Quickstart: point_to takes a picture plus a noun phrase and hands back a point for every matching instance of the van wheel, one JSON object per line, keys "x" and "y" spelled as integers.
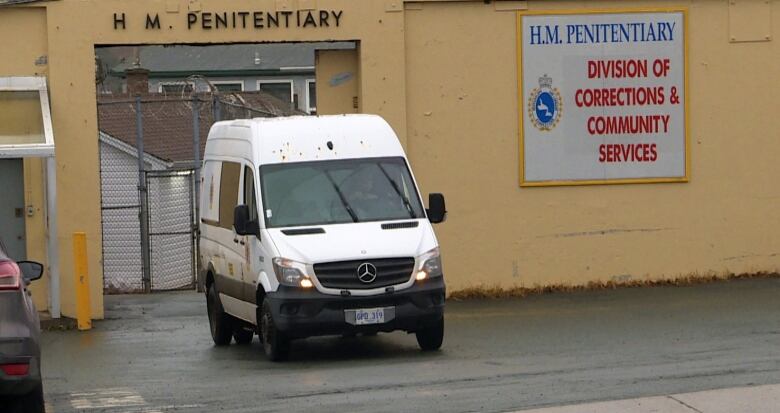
{"x": 219, "y": 321}
{"x": 275, "y": 344}
{"x": 430, "y": 338}
{"x": 243, "y": 336}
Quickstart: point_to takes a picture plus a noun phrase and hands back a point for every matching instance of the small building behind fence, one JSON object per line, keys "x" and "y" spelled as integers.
{"x": 168, "y": 125}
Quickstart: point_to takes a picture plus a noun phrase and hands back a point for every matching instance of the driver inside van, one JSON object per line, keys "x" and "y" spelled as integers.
{"x": 369, "y": 194}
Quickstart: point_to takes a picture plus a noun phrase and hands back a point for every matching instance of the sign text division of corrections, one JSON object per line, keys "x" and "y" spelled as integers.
{"x": 603, "y": 97}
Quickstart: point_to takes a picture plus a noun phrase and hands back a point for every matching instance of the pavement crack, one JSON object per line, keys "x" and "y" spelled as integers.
{"x": 609, "y": 231}
{"x": 685, "y": 404}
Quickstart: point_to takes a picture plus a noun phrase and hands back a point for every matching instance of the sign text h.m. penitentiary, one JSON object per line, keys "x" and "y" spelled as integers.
{"x": 602, "y": 97}
{"x": 233, "y": 20}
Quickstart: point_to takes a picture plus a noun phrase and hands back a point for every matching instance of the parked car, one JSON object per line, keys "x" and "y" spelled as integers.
{"x": 21, "y": 388}
{"x": 314, "y": 226}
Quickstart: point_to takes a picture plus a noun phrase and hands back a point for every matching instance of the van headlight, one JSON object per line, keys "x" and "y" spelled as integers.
{"x": 431, "y": 265}
{"x": 291, "y": 273}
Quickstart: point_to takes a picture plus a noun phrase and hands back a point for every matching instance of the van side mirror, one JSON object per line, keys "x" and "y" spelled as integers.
{"x": 31, "y": 270}
{"x": 437, "y": 211}
{"x": 241, "y": 221}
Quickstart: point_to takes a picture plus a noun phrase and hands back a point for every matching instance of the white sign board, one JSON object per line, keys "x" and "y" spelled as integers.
{"x": 603, "y": 97}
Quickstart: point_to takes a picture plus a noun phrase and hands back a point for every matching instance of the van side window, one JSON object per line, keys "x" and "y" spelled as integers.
{"x": 228, "y": 193}
{"x": 209, "y": 190}
{"x": 250, "y": 198}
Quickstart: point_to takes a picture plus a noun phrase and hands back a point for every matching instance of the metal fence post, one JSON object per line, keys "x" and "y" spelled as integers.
{"x": 196, "y": 170}
{"x": 217, "y": 108}
{"x": 143, "y": 197}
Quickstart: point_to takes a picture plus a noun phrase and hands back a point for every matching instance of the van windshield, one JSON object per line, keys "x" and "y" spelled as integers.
{"x": 340, "y": 191}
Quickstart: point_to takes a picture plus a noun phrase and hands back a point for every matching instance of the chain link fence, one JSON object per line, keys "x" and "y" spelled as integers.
{"x": 171, "y": 228}
{"x": 150, "y": 156}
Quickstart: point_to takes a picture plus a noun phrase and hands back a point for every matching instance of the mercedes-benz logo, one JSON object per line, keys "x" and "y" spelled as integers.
{"x": 366, "y": 272}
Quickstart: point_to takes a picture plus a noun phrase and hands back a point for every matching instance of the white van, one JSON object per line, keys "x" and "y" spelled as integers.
{"x": 314, "y": 226}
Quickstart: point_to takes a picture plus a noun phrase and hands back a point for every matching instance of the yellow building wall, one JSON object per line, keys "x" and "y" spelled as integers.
{"x": 377, "y": 25}
{"x": 444, "y": 75}
{"x": 337, "y": 81}
{"x": 23, "y": 58}
{"x": 463, "y": 141}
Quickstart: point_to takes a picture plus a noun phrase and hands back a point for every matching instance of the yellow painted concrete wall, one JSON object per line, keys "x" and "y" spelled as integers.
{"x": 378, "y": 25}
{"x": 444, "y": 75}
{"x": 463, "y": 140}
{"x": 19, "y": 59}
{"x": 337, "y": 81}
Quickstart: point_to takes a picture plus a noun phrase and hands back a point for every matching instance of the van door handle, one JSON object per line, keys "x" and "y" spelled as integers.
{"x": 235, "y": 240}
{"x": 242, "y": 242}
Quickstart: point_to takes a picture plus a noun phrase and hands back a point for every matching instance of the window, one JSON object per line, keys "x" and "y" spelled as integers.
{"x": 340, "y": 191}
{"x": 250, "y": 198}
{"x": 280, "y": 89}
{"x": 209, "y": 192}
{"x": 25, "y": 120}
{"x": 228, "y": 86}
{"x": 311, "y": 97}
{"x": 228, "y": 193}
{"x": 176, "y": 88}
{"x": 20, "y": 118}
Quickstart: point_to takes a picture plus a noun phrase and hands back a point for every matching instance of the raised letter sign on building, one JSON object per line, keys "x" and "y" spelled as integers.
{"x": 602, "y": 97}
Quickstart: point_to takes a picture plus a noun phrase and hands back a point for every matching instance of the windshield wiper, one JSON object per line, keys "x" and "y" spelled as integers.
{"x": 407, "y": 204}
{"x": 341, "y": 196}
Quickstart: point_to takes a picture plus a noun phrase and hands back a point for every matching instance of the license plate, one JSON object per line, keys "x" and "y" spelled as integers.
{"x": 369, "y": 316}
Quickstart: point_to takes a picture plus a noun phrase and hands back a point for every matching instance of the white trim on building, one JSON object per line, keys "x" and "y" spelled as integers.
{"x": 309, "y": 108}
{"x": 270, "y": 81}
{"x": 228, "y": 82}
{"x": 182, "y": 84}
{"x": 154, "y": 161}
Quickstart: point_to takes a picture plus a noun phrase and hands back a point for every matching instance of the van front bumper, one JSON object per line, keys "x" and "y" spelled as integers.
{"x": 305, "y": 313}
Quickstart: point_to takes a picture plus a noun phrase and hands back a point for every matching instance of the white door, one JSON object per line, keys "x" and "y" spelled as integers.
{"x": 257, "y": 254}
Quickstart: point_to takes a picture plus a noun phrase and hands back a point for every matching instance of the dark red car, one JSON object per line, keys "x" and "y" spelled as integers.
{"x": 21, "y": 388}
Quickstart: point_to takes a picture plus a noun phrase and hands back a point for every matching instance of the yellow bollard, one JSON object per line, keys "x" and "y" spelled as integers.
{"x": 82, "y": 281}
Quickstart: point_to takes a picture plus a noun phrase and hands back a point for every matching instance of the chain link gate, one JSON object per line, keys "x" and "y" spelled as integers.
{"x": 150, "y": 149}
{"x": 120, "y": 209}
{"x": 171, "y": 206}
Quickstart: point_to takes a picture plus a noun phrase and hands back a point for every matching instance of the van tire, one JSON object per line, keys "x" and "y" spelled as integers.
{"x": 219, "y": 322}
{"x": 275, "y": 344}
{"x": 243, "y": 336}
{"x": 431, "y": 338}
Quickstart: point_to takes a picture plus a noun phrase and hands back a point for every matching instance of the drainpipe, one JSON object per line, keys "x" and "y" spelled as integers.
{"x": 53, "y": 250}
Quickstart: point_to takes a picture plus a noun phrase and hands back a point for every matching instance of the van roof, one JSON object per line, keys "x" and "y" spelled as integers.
{"x": 310, "y": 138}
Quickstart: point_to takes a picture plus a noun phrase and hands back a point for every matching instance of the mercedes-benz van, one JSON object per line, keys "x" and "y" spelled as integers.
{"x": 313, "y": 225}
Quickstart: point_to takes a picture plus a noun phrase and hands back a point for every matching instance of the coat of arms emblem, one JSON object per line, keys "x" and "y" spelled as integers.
{"x": 545, "y": 105}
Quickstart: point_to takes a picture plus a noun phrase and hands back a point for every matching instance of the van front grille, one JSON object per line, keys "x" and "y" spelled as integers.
{"x": 345, "y": 275}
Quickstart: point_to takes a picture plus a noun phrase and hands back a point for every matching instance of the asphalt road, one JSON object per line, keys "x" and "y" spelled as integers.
{"x": 154, "y": 354}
